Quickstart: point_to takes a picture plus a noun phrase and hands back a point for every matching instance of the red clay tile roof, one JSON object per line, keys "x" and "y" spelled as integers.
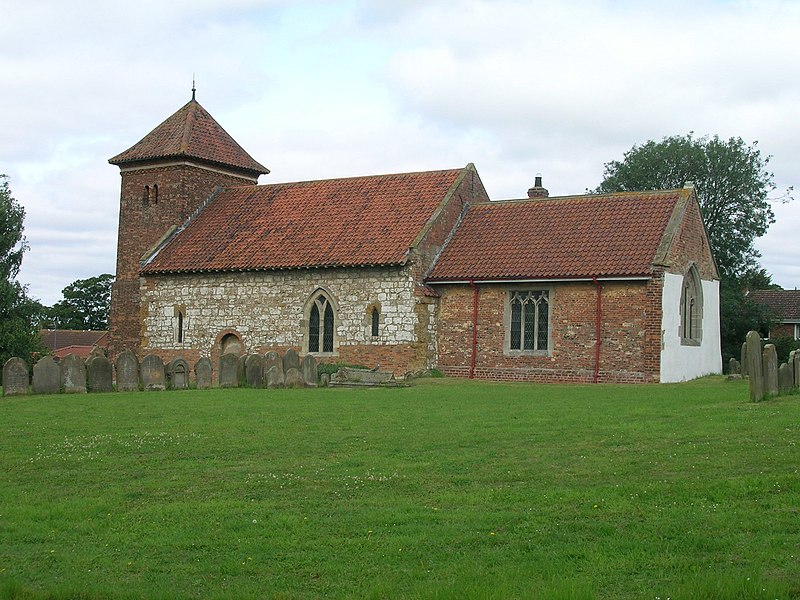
{"x": 356, "y": 221}
{"x": 191, "y": 133}
{"x": 558, "y": 238}
{"x": 783, "y": 304}
{"x": 61, "y": 338}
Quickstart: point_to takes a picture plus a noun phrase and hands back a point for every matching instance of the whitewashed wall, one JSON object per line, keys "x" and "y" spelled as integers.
{"x": 680, "y": 363}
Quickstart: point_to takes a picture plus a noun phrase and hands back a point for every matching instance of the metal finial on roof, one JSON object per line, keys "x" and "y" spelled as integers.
{"x": 194, "y": 89}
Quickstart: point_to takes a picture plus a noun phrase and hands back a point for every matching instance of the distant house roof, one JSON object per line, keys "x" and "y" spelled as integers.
{"x": 784, "y": 305}
{"x": 572, "y": 237}
{"x": 357, "y": 221}
{"x": 191, "y": 133}
{"x": 58, "y": 339}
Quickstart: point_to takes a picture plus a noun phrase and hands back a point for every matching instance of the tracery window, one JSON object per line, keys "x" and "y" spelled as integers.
{"x": 528, "y": 321}
{"x": 321, "y": 325}
{"x": 691, "y": 309}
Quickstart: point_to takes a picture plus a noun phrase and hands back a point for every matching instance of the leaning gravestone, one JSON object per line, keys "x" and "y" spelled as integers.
{"x": 785, "y": 379}
{"x": 309, "y": 369}
{"x": 152, "y": 369}
{"x": 273, "y": 377}
{"x": 754, "y": 366}
{"x": 294, "y": 378}
{"x": 99, "y": 377}
{"x": 73, "y": 374}
{"x": 15, "y": 377}
{"x": 770, "y": 358}
{"x": 127, "y": 367}
{"x": 202, "y": 373}
{"x": 46, "y": 376}
{"x": 228, "y": 371}
{"x": 733, "y": 367}
{"x": 254, "y": 370}
{"x": 290, "y": 361}
{"x": 178, "y": 371}
{"x": 743, "y": 360}
{"x": 273, "y": 359}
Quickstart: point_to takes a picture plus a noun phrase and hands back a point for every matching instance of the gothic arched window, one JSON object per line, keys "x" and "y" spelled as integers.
{"x": 691, "y": 308}
{"x": 321, "y": 324}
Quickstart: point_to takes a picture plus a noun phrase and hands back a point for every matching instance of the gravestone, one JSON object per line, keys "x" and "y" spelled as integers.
{"x": 273, "y": 359}
{"x": 152, "y": 370}
{"x": 99, "y": 375}
{"x": 178, "y": 372}
{"x": 796, "y": 361}
{"x": 273, "y": 377}
{"x": 754, "y": 366}
{"x": 770, "y": 358}
{"x": 15, "y": 377}
{"x": 73, "y": 374}
{"x": 202, "y": 373}
{"x": 290, "y": 361}
{"x": 309, "y": 369}
{"x": 127, "y": 368}
{"x": 350, "y": 376}
{"x": 785, "y": 378}
{"x": 240, "y": 371}
{"x": 324, "y": 380}
{"x": 293, "y": 378}
{"x": 254, "y": 370}
{"x": 228, "y": 371}
{"x": 733, "y": 367}
{"x": 743, "y": 360}
{"x": 46, "y": 376}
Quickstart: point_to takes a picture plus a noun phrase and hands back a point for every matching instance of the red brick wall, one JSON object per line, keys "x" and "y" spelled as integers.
{"x": 691, "y": 245}
{"x": 630, "y": 333}
{"x": 181, "y": 189}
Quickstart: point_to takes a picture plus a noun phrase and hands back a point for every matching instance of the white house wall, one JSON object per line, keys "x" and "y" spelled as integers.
{"x": 679, "y": 362}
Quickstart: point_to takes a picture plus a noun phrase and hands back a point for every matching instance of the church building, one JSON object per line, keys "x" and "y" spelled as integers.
{"x": 408, "y": 271}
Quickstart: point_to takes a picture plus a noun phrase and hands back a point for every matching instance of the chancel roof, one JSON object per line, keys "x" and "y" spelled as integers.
{"x": 358, "y": 221}
{"x": 191, "y": 133}
{"x": 574, "y": 237}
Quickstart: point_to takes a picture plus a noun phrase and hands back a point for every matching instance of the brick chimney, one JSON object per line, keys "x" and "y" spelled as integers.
{"x": 537, "y": 191}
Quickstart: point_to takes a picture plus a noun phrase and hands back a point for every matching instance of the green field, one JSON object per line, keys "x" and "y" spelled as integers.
{"x": 447, "y": 489}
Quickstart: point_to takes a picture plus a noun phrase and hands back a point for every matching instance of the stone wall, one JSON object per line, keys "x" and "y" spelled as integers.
{"x": 630, "y": 339}
{"x": 266, "y": 311}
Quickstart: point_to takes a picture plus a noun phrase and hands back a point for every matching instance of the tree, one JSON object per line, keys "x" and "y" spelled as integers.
{"x": 19, "y": 335}
{"x": 732, "y": 184}
{"x": 85, "y": 305}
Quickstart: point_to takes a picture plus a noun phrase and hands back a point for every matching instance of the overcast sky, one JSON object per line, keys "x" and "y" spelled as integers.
{"x": 328, "y": 89}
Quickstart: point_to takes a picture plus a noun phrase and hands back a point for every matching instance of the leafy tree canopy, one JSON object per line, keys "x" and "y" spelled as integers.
{"x": 732, "y": 184}
{"x": 19, "y": 334}
{"x": 85, "y": 305}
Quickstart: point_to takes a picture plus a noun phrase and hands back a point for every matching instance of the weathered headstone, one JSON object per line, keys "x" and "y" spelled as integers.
{"x": 785, "y": 378}
{"x": 324, "y": 380}
{"x": 290, "y": 361}
{"x": 254, "y": 370}
{"x": 46, "y": 376}
{"x": 152, "y": 370}
{"x": 743, "y": 360}
{"x": 202, "y": 373}
{"x": 178, "y": 372}
{"x": 228, "y": 371}
{"x": 73, "y": 374}
{"x": 796, "y": 361}
{"x": 99, "y": 375}
{"x": 273, "y": 359}
{"x": 754, "y": 366}
{"x": 273, "y": 378}
{"x": 15, "y": 377}
{"x": 309, "y": 369}
{"x": 293, "y": 378}
{"x": 733, "y": 367}
{"x": 770, "y": 358}
{"x": 240, "y": 371}
{"x": 127, "y": 368}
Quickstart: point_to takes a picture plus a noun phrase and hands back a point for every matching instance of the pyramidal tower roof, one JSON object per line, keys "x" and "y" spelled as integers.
{"x": 191, "y": 133}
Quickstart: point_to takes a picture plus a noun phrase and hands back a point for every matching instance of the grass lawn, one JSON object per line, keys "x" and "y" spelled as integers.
{"x": 448, "y": 489}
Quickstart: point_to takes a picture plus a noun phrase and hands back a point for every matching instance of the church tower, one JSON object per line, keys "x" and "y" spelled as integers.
{"x": 166, "y": 176}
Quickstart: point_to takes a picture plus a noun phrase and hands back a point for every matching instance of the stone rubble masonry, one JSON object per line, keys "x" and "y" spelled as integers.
{"x": 266, "y": 309}
{"x": 182, "y": 189}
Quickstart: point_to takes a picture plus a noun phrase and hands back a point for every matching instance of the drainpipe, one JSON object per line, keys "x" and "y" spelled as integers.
{"x": 474, "y": 327}
{"x": 597, "y": 342}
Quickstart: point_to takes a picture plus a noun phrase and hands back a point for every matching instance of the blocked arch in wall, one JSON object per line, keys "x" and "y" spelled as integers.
{"x": 230, "y": 342}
